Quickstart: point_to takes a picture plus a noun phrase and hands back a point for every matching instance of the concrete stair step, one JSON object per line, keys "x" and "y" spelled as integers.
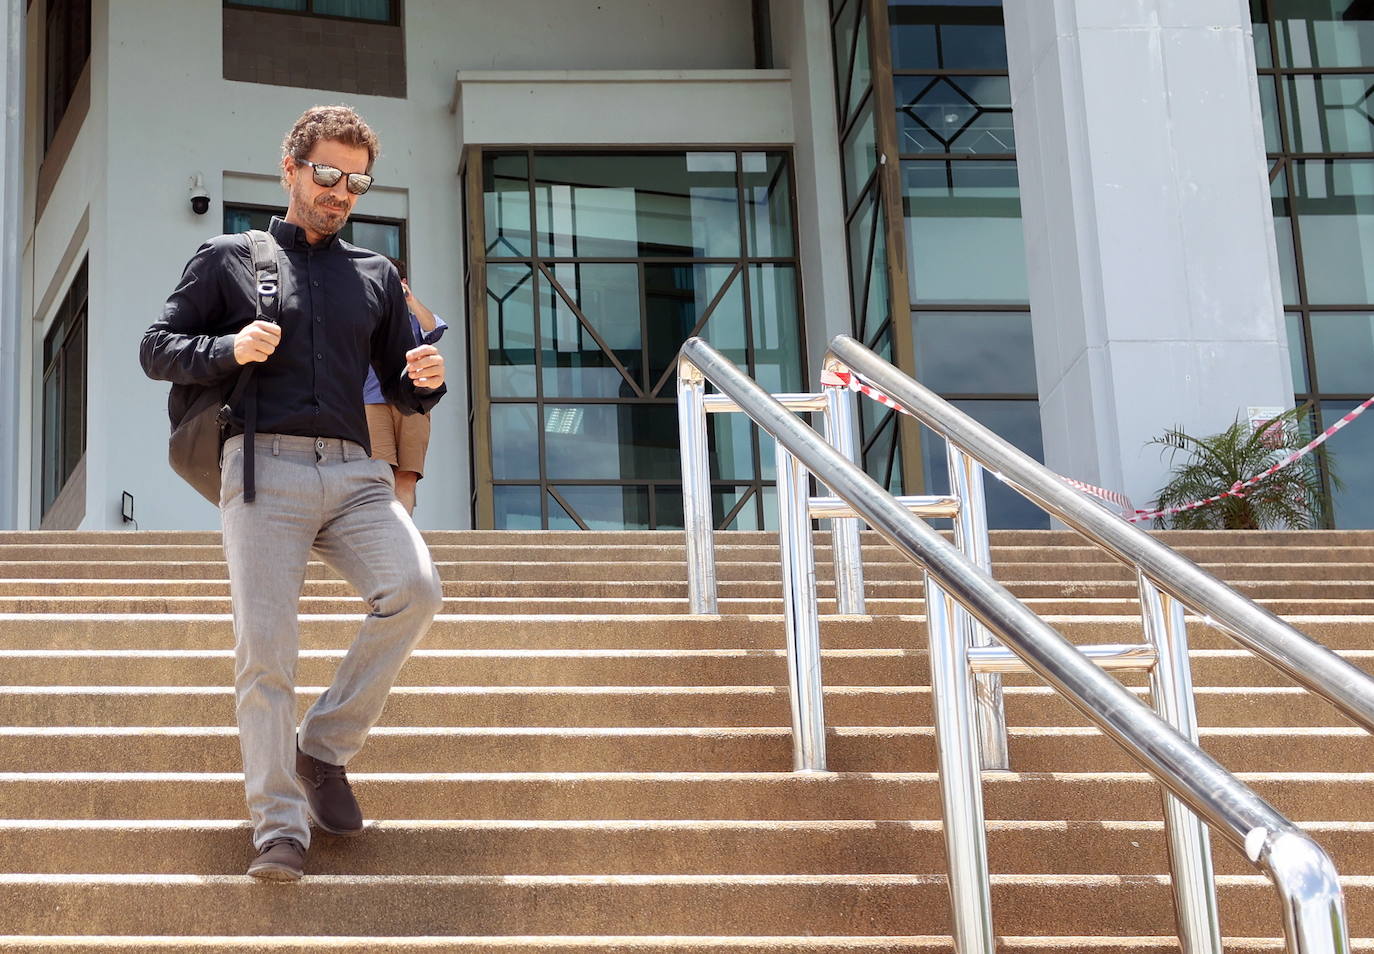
{"x": 1219, "y": 668}
{"x": 766, "y": 748}
{"x": 1084, "y": 796}
{"x": 681, "y": 904}
{"x": 463, "y": 847}
{"x": 509, "y": 631}
{"x": 630, "y": 706}
{"x": 632, "y": 944}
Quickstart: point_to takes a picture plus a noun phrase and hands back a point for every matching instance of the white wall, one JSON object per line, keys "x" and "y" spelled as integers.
{"x": 171, "y": 115}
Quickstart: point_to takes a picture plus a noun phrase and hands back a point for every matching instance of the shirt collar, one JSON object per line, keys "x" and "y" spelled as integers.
{"x": 293, "y": 236}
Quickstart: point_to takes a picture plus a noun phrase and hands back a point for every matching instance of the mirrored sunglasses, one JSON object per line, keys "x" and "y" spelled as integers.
{"x": 358, "y": 182}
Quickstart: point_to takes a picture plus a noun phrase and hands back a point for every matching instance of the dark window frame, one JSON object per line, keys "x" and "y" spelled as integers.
{"x": 67, "y": 332}
{"x": 309, "y": 11}
{"x": 753, "y": 492}
{"x": 64, "y": 61}
{"x": 402, "y": 224}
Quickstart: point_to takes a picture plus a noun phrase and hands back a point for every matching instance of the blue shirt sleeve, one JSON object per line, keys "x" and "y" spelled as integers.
{"x": 428, "y": 337}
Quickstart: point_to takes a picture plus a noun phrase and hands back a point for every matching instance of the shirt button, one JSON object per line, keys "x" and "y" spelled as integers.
{"x": 319, "y": 355}
{"x": 315, "y": 284}
{"x": 318, "y": 319}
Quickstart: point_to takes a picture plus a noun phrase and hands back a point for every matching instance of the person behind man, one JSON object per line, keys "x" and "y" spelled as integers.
{"x": 401, "y": 439}
{"x": 318, "y": 491}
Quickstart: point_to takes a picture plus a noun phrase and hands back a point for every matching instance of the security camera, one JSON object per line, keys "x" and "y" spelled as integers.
{"x": 200, "y": 199}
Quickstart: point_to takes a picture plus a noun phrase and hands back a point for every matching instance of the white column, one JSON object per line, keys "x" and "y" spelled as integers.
{"x": 11, "y": 229}
{"x": 1154, "y": 281}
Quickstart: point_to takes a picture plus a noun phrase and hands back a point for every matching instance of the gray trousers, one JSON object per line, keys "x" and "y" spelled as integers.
{"x": 327, "y": 497}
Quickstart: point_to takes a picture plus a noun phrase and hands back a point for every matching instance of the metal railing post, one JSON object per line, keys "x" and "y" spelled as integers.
{"x": 697, "y": 522}
{"x": 961, "y": 786}
{"x": 971, "y": 536}
{"x": 800, "y": 614}
{"x": 1189, "y": 842}
{"x": 848, "y": 552}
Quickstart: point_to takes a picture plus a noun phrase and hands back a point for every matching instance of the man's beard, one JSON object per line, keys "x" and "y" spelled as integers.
{"x": 322, "y": 219}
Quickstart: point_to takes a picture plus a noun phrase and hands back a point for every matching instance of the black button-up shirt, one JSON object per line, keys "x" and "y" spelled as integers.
{"x": 341, "y": 309}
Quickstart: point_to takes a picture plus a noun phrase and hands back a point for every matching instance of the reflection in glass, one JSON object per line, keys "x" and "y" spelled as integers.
{"x": 510, "y": 330}
{"x": 938, "y": 34}
{"x": 767, "y": 205}
{"x": 608, "y": 508}
{"x": 1297, "y": 351}
{"x": 954, "y": 114}
{"x": 1325, "y": 33}
{"x": 1015, "y": 421}
{"x": 1329, "y": 113}
{"x": 1264, "y": 54}
{"x": 628, "y": 206}
{"x": 726, "y": 499}
{"x": 1283, "y": 236}
{"x": 608, "y": 297}
{"x": 506, "y": 201}
{"x": 730, "y": 447}
{"x": 970, "y": 353}
{"x": 860, "y": 153}
{"x": 677, "y": 297}
{"x": 861, "y": 78}
{"x": 1344, "y": 352}
{"x": 611, "y": 442}
{"x": 964, "y": 241}
{"x": 1335, "y": 211}
{"x": 516, "y": 508}
{"x": 1352, "y": 457}
{"x": 559, "y": 518}
{"x": 514, "y": 442}
{"x": 1269, "y": 112}
{"x": 842, "y": 38}
{"x": 777, "y": 343}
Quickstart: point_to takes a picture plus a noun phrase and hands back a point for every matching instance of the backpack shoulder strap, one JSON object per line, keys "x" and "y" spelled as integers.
{"x": 264, "y": 248}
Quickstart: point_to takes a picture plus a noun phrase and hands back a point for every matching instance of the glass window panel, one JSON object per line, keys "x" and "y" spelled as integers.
{"x": 299, "y": 5}
{"x": 947, "y": 34}
{"x": 768, "y": 498}
{"x": 676, "y": 297}
{"x": 627, "y": 206}
{"x": 1335, "y": 211}
{"x": 878, "y": 460}
{"x": 668, "y": 509}
{"x": 1351, "y": 454}
{"x": 767, "y": 205}
{"x": 384, "y": 237}
{"x": 860, "y": 152}
{"x": 514, "y": 442}
{"x": 52, "y": 438}
{"x": 574, "y": 363}
{"x": 971, "y": 353}
{"x": 1325, "y": 33}
{"x": 1283, "y": 236}
{"x": 73, "y": 400}
{"x": 730, "y": 446}
{"x": 1264, "y": 54}
{"x": 506, "y": 205}
{"x": 1269, "y": 111}
{"x": 510, "y": 330}
{"x": 724, "y": 499}
{"x": 964, "y": 242}
{"x": 843, "y": 40}
{"x": 609, "y": 508}
{"x": 860, "y": 250}
{"x": 955, "y": 114}
{"x": 1344, "y": 352}
{"x": 1297, "y": 351}
{"x": 1017, "y": 422}
{"x": 379, "y": 10}
{"x": 1330, "y": 113}
{"x": 559, "y": 518}
{"x": 777, "y": 339}
{"x": 861, "y": 78}
{"x": 611, "y": 442}
{"x": 516, "y": 508}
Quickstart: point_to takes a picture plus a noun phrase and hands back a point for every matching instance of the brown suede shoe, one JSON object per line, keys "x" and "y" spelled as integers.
{"x": 281, "y": 859}
{"x": 327, "y": 792}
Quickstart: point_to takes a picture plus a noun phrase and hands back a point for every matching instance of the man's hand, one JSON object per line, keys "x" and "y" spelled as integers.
{"x": 256, "y": 341}
{"x": 425, "y": 365}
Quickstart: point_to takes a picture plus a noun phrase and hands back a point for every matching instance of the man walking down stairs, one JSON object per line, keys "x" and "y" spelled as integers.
{"x": 571, "y": 762}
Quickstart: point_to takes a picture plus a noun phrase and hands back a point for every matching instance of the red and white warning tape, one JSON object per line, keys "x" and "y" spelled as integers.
{"x": 848, "y": 379}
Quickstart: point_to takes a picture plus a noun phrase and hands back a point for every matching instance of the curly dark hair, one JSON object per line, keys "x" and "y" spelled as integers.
{"x": 337, "y": 123}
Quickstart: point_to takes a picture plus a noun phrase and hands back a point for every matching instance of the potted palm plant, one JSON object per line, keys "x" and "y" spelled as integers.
{"x": 1290, "y": 498}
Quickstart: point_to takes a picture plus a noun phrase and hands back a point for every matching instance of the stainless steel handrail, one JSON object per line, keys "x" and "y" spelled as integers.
{"x": 1307, "y": 662}
{"x": 1313, "y": 906}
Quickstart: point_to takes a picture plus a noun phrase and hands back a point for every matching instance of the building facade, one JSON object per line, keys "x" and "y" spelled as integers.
{"x": 1084, "y": 223}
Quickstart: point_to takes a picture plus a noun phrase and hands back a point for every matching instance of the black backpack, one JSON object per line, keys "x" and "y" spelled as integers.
{"x": 198, "y": 434}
